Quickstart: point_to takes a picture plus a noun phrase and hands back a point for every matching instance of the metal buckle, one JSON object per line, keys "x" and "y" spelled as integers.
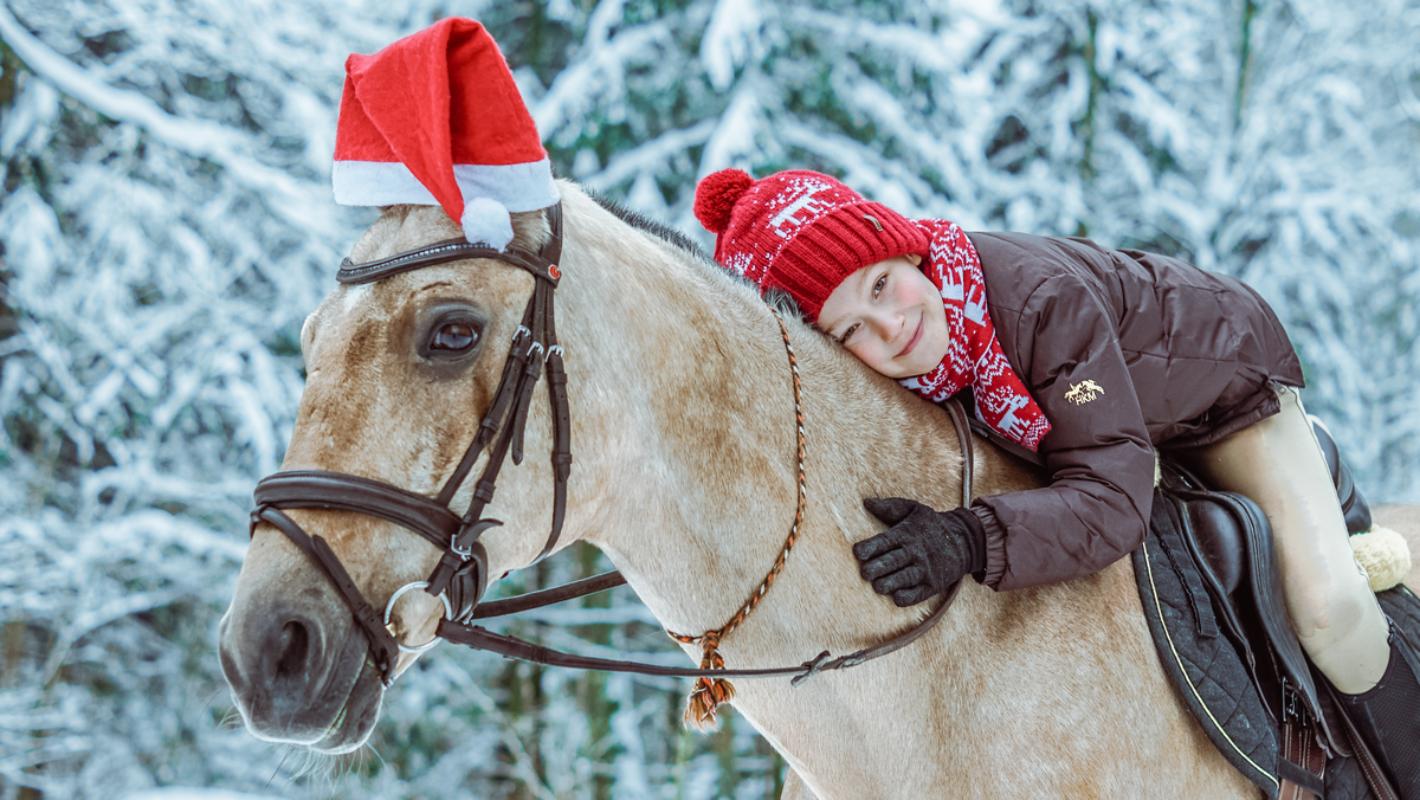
{"x": 476, "y": 530}
{"x": 463, "y": 554}
{"x": 1291, "y": 702}
{"x": 555, "y": 349}
{"x": 389, "y": 612}
{"x": 535, "y": 347}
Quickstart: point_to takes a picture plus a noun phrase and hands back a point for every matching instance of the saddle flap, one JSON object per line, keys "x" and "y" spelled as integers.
{"x": 1231, "y": 539}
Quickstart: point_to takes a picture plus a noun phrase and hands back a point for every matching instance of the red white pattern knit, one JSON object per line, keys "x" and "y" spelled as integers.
{"x": 974, "y": 355}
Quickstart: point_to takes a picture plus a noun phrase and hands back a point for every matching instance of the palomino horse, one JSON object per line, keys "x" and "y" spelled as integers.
{"x": 684, "y": 435}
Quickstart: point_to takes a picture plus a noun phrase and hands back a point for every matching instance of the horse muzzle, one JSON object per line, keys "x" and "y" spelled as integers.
{"x": 299, "y": 674}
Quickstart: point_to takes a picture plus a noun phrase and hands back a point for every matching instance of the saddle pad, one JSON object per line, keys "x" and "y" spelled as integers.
{"x": 1207, "y": 669}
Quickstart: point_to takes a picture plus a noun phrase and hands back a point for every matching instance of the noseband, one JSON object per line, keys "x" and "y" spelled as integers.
{"x": 461, "y": 575}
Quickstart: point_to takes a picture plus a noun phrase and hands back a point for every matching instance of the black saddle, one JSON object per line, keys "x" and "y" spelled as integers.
{"x": 1231, "y": 540}
{"x": 1214, "y": 601}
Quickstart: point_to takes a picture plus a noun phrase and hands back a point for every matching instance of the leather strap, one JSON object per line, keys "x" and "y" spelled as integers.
{"x": 443, "y": 252}
{"x": 339, "y": 491}
{"x": 512, "y": 647}
{"x": 964, "y": 443}
{"x": 493, "y": 417}
{"x": 384, "y": 649}
{"x": 480, "y": 638}
{"x": 1303, "y": 763}
{"x": 1301, "y": 767}
{"x": 547, "y": 597}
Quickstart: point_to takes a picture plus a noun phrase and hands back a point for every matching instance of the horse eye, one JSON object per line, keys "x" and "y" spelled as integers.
{"x": 454, "y": 337}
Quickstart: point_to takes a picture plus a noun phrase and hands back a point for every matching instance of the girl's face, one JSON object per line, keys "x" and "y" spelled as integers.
{"x": 890, "y": 316}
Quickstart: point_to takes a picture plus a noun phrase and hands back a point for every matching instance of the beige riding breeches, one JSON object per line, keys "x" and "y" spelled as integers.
{"x": 1278, "y": 463}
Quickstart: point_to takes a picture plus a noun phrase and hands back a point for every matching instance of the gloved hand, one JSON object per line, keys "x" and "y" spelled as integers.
{"x": 923, "y": 553}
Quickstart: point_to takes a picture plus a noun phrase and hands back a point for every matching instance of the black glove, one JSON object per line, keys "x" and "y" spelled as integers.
{"x": 923, "y": 553}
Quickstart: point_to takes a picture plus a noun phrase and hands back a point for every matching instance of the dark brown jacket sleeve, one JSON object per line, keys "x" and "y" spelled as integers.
{"x": 1097, "y": 453}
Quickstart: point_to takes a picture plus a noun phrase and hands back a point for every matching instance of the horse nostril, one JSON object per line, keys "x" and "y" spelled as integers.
{"x": 293, "y": 644}
{"x": 290, "y": 653}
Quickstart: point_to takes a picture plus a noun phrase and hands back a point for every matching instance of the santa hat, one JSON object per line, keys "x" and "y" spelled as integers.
{"x": 436, "y": 119}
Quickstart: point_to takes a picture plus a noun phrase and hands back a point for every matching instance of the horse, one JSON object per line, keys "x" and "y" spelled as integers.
{"x": 683, "y": 429}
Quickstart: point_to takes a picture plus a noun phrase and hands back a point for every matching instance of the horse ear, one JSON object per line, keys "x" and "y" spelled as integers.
{"x": 531, "y": 229}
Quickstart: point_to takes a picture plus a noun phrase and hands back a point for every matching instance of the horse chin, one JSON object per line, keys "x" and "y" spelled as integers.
{"x": 356, "y": 720}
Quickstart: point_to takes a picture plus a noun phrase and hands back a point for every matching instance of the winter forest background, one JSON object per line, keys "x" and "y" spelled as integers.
{"x": 167, "y": 222}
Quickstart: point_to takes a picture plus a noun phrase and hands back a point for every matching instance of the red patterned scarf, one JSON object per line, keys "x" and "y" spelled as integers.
{"x": 974, "y": 356}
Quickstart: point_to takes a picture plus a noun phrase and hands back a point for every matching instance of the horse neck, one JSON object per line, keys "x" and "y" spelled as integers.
{"x": 686, "y": 449}
{"x": 685, "y": 477}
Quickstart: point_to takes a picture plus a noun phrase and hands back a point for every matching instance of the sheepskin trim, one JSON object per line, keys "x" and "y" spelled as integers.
{"x": 1384, "y": 555}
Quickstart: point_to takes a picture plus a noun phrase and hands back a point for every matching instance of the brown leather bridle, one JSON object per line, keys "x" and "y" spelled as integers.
{"x": 461, "y": 575}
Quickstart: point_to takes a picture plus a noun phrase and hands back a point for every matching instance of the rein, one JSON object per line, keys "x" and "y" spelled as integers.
{"x": 461, "y": 575}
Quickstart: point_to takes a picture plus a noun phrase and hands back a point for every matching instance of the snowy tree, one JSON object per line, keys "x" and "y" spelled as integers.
{"x": 166, "y": 224}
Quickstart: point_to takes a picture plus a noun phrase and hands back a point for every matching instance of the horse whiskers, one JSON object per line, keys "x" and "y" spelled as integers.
{"x": 276, "y": 771}
{"x": 336, "y": 722}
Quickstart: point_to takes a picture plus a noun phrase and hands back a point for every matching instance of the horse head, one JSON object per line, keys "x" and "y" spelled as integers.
{"x": 399, "y": 374}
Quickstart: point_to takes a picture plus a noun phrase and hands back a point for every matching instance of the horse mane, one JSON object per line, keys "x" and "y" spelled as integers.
{"x": 654, "y": 227}
{"x": 777, "y": 299}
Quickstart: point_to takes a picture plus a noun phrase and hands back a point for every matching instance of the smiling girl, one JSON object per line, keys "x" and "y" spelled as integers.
{"x": 1092, "y": 359}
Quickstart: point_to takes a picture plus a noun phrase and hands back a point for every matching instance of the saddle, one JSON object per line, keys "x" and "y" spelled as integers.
{"x": 1230, "y": 540}
{"x": 1213, "y": 596}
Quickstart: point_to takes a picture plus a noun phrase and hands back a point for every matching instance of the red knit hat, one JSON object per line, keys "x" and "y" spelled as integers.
{"x": 436, "y": 119}
{"x": 800, "y": 231}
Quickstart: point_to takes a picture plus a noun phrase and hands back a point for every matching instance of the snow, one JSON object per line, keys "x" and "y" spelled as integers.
{"x": 167, "y": 224}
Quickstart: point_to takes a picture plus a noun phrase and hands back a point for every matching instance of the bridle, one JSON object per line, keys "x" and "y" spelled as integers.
{"x": 460, "y": 577}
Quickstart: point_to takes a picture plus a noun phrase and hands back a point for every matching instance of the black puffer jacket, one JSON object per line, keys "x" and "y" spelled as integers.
{"x": 1125, "y": 352}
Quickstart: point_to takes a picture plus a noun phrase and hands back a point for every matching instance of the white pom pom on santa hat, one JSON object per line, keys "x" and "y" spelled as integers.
{"x": 464, "y": 140}
{"x": 486, "y": 221}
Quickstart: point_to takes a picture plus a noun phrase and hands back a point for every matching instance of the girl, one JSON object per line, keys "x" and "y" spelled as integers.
{"x": 1091, "y": 358}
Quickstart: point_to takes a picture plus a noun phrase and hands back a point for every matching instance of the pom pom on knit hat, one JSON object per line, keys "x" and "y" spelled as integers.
{"x": 800, "y": 231}
{"x": 716, "y": 195}
{"x": 1384, "y": 555}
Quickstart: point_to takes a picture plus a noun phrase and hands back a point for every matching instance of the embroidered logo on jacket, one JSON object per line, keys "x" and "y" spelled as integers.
{"x": 1083, "y": 392}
